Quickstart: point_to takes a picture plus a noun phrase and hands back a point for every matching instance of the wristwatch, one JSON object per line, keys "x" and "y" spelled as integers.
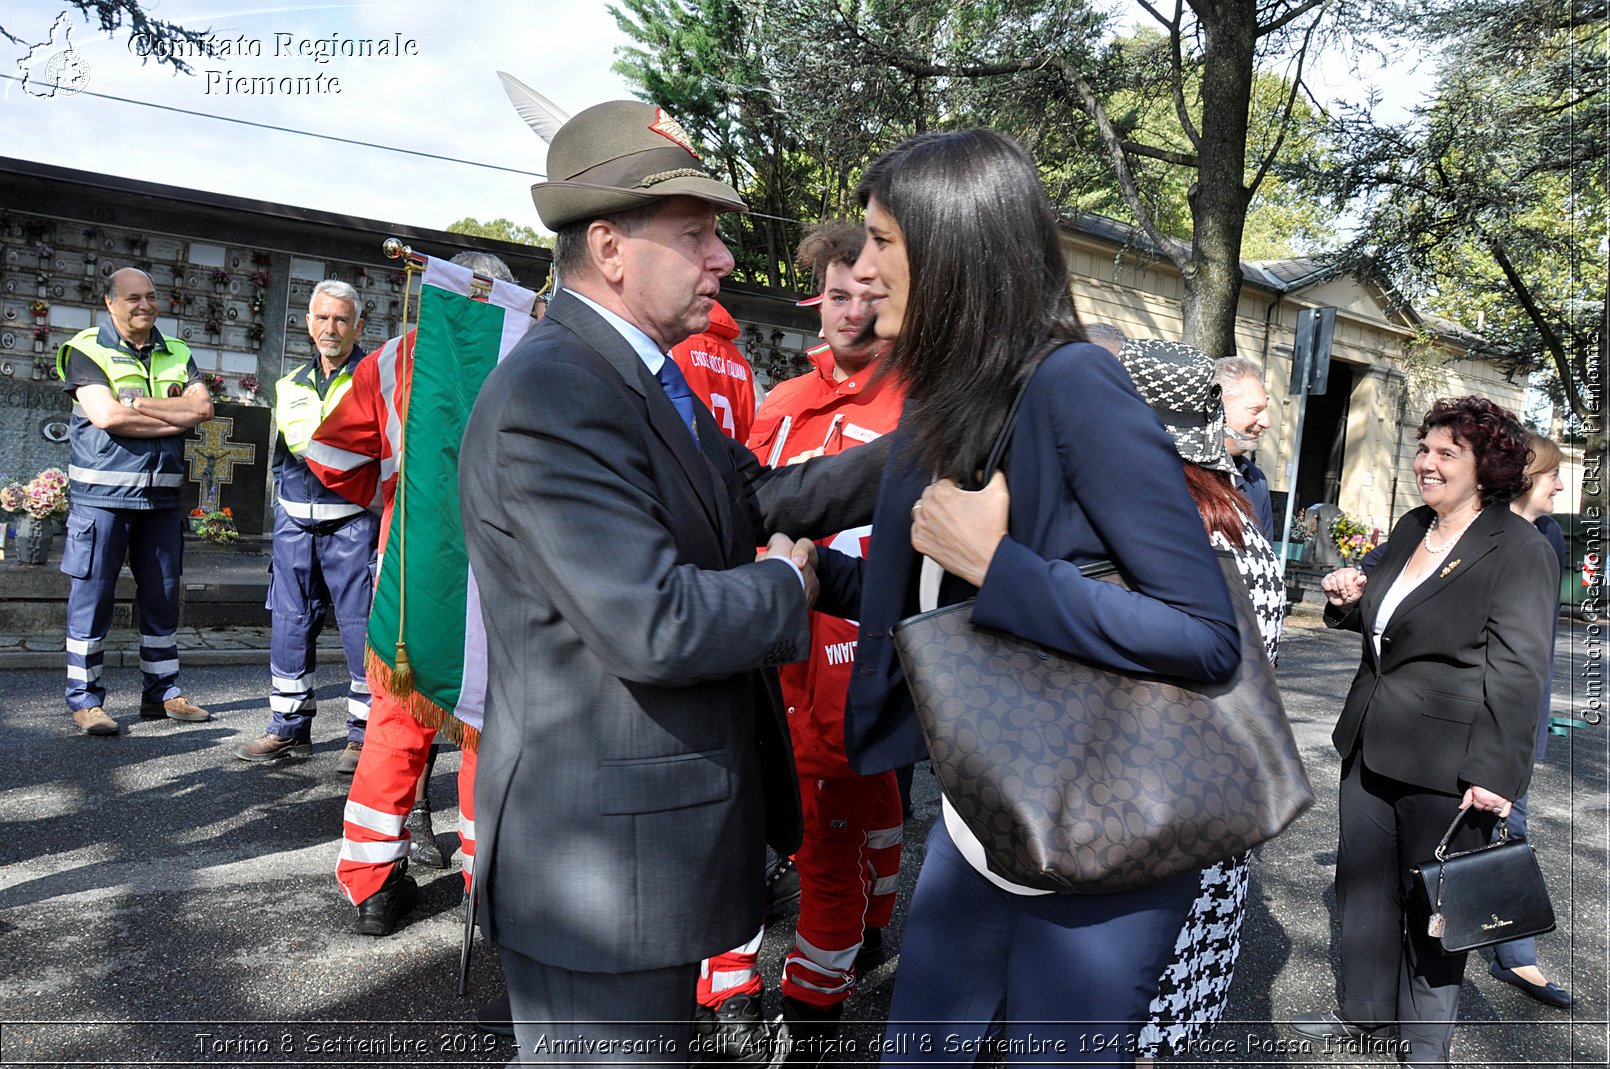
{"x": 128, "y": 402}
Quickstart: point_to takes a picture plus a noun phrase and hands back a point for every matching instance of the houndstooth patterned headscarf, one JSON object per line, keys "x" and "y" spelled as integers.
{"x": 1177, "y": 381}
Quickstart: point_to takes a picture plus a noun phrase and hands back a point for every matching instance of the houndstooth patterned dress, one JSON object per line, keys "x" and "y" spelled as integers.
{"x": 1195, "y": 986}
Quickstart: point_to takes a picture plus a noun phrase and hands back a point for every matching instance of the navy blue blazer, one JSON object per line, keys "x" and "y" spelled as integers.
{"x": 1093, "y": 476}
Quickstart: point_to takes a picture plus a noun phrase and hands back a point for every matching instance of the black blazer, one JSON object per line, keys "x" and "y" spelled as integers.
{"x": 634, "y": 757}
{"x": 1452, "y": 700}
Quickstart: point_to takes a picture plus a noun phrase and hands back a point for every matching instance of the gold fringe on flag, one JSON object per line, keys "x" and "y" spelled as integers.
{"x": 424, "y": 711}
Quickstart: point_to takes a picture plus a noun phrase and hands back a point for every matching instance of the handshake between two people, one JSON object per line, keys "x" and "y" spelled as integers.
{"x": 803, "y": 553}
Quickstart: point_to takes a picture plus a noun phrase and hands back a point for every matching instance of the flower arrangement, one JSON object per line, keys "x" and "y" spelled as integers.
{"x": 39, "y": 309}
{"x": 86, "y": 290}
{"x": 1353, "y": 539}
{"x": 261, "y": 279}
{"x": 41, "y": 333}
{"x": 42, "y": 497}
{"x": 214, "y": 325}
{"x": 250, "y": 386}
{"x": 222, "y": 277}
{"x": 215, "y": 385}
{"x": 261, "y": 259}
{"x": 215, "y": 527}
{"x": 256, "y": 332}
{"x": 45, "y": 251}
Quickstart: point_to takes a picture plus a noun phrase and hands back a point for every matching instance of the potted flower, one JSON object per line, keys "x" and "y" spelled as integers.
{"x": 41, "y": 336}
{"x": 261, "y": 259}
{"x": 35, "y": 506}
{"x": 251, "y": 389}
{"x": 215, "y": 385}
{"x": 1353, "y": 539}
{"x": 215, "y": 327}
{"x": 176, "y": 300}
{"x": 256, "y": 303}
{"x": 38, "y": 309}
{"x": 217, "y": 527}
{"x": 261, "y": 279}
{"x": 221, "y": 279}
{"x": 255, "y": 334}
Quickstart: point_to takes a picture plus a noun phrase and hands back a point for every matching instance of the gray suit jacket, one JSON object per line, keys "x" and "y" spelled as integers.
{"x": 634, "y": 759}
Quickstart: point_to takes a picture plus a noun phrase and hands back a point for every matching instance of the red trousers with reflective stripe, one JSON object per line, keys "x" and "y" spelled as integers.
{"x": 849, "y": 868}
{"x": 372, "y": 836}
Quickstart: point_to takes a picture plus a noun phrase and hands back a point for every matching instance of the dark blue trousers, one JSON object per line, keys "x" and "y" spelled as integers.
{"x": 98, "y": 540}
{"x": 313, "y": 570}
{"x": 1061, "y": 979}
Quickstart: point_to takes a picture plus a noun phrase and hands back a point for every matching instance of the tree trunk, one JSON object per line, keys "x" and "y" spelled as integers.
{"x": 1219, "y": 197}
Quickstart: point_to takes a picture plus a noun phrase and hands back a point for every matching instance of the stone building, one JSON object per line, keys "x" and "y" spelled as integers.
{"x": 1387, "y": 363}
{"x": 234, "y": 277}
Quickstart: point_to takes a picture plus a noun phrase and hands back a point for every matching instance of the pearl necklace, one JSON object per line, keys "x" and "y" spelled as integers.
{"x": 1437, "y": 551}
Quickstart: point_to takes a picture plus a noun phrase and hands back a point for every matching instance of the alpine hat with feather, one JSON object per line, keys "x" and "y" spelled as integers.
{"x": 621, "y": 155}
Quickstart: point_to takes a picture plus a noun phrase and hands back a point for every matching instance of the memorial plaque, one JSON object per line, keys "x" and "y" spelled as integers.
{"x": 206, "y": 255}
{"x": 165, "y": 249}
{"x": 226, "y": 463}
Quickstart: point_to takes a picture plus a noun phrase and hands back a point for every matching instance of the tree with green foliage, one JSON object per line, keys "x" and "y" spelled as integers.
{"x": 698, "y": 58}
{"x": 1490, "y": 204}
{"x": 1083, "y": 101}
{"x": 501, "y": 229}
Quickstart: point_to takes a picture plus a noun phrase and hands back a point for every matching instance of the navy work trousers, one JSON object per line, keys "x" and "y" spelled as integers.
{"x": 98, "y": 540}
{"x": 315, "y": 569}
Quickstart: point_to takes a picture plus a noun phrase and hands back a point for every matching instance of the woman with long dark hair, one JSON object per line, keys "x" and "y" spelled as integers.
{"x": 963, "y": 251}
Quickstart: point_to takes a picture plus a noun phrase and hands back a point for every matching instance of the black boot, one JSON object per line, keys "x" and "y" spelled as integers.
{"x": 782, "y": 888}
{"x": 422, "y": 848}
{"x": 809, "y": 1034}
{"x": 380, "y": 913}
{"x": 872, "y": 952}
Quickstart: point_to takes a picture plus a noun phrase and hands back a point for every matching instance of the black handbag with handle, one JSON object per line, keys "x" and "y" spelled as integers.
{"x": 1488, "y": 895}
{"x": 1083, "y": 779}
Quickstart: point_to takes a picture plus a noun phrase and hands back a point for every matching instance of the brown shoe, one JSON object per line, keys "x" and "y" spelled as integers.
{"x": 177, "y": 708}
{"x": 272, "y": 748}
{"x": 347, "y": 763}
{"x": 94, "y": 721}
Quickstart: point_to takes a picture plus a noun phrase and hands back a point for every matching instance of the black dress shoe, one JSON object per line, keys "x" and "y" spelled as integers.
{"x": 494, "y": 1017}
{"x": 1549, "y": 994}
{"x": 1328, "y": 1025}
{"x": 380, "y": 912}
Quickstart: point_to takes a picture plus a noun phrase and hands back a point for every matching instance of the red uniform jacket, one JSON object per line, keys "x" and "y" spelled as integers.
{"x": 719, "y": 374}
{"x": 806, "y": 413}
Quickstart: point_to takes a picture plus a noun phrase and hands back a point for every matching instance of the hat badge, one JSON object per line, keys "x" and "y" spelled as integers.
{"x": 672, "y": 130}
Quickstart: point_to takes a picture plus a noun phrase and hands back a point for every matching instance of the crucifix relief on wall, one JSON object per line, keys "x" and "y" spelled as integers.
{"x": 213, "y": 458}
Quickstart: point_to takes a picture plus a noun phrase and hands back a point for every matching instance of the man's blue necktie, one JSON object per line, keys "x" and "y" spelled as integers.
{"x": 676, "y": 388}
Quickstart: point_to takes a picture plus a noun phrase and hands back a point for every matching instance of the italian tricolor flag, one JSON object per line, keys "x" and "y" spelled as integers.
{"x": 425, "y": 629}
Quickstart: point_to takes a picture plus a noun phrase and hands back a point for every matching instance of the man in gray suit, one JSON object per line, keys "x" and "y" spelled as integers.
{"x": 635, "y": 760}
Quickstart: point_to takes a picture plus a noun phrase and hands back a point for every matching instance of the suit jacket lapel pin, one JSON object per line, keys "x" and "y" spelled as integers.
{"x": 1451, "y": 566}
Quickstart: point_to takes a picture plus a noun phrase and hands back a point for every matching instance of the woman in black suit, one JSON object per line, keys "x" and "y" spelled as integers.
{"x": 962, "y": 251}
{"x": 1457, "y": 620}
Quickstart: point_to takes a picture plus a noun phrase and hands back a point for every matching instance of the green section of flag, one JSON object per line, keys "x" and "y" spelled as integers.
{"x": 456, "y": 348}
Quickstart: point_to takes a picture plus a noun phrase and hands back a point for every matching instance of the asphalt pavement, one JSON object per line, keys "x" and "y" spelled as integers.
{"x": 162, "y": 903}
